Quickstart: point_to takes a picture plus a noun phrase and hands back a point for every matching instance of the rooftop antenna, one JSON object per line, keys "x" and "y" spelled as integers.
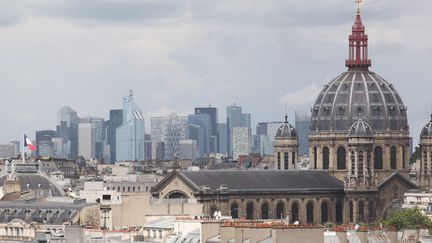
{"x": 358, "y": 5}
{"x": 286, "y": 114}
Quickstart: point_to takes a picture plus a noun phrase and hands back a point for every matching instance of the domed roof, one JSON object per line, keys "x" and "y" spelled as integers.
{"x": 358, "y": 94}
{"x": 36, "y": 181}
{"x": 427, "y": 129}
{"x": 286, "y": 130}
{"x": 360, "y": 129}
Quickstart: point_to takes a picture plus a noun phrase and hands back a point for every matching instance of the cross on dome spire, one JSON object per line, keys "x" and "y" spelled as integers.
{"x": 358, "y": 44}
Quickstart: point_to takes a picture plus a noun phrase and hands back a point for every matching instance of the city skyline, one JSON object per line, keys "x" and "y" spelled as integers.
{"x": 275, "y": 68}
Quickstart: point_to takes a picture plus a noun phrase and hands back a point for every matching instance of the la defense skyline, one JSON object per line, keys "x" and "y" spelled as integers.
{"x": 123, "y": 136}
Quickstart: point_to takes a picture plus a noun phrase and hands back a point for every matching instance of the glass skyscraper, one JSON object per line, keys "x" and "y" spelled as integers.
{"x": 130, "y": 136}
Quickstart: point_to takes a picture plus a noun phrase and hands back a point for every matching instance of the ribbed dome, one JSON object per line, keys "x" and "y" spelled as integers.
{"x": 427, "y": 129}
{"x": 360, "y": 129}
{"x": 286, "y": 130}
{"x": 359, "y": 94}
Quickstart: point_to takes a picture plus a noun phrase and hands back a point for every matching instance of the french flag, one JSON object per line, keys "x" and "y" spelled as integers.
{"x": 28, "y": 143}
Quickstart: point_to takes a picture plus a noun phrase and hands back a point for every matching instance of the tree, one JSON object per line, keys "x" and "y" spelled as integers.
{"x": 408, "y": 218}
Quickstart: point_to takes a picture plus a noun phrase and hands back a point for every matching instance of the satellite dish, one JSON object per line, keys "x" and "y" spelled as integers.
{"x": 215, "y": 213}
{"x": 356, "y": 227}
{"x": 219, "y": 214}
{"x": 296, "y": 223}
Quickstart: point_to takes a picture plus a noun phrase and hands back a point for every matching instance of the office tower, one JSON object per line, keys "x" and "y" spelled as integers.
{"x": 188, "y": 149}
{"x": 241, "y": 141}
{"x": 266, "y": 132}
{"x": 213, "y": 113}
{"x": 67, "y": 129}
{"x": 170, "y": 130}
{"x": 8, "y": 150}
{"x": 202, "y": 134}
{"x": 222, "y": 137}
{"x": 87, "y": 140}
{"x": 130, "y": 135}
{"x": 115, "y": 120}
{"x": 58, "y": 148}
{"x": 158, "y": 151}
{"x": 17, "y": 147}
{"x": 261, "y": 128}
{"x": 147, "y": 147}
{"x": 235, "y": 118}
{"x": 44, "y": 142}
{"x": 100, "y": 134}
{"x": 302, "y": 124}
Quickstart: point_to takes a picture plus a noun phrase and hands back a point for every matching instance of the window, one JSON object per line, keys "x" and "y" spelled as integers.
{"x": 315, "y": 157}
{"x": 309, "y": 213}
{"x": 339, "y": 211}
{"x": 378, "y": 165}
{"x": 249, "y": 210}
{"x": 326, "y": 158}
{"x": 393, "y": 158}
{"x": 265, "y": 211}
{"x": 341, "y": 158}
{"x": 351, "y": 212}
{"x": 324, "y": 212}
{"x": 234, "y": 211}
{"x": 361, "y": 211}
{"x": 280, "y": 210}
{"x": 293, "y": 160}
{"x": 295, "y": 212}
{"x": 286, "y": 161}
{"x": 106, "y": 197}
{"x": 278, "y": 161}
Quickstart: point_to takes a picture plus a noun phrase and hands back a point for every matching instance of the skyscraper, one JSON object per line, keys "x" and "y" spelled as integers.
{"x": 67, "y": 129}
{"x": 130, "y": 136}
{"x": 213, "y": 113}
{"x": 170, "y": 130}
{"x": 241, "y": 141}
{"x": 222, "y": 138}
{"x": 235, "y": 118}
{"x": 116, "y": 119}
{"x": 100, "y": 134}
{"x": 302, "y": 124}
{"x": 203, "y": 138}
{"x": 44, "y": 143}
{"x": 87, "y": 140}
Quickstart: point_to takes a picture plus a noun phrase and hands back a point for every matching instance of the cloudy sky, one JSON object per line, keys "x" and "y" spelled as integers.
{"x": 175, "y": 55}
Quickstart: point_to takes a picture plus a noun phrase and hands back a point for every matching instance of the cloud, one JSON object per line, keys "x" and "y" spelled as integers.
{"x": 304, "y": 96}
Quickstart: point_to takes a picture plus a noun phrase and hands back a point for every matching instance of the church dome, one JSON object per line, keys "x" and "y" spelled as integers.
{"x": 360, "y": 129}
{"x": 427, "y": 129}
{"x": 286, "y": 130}
{"x": 358, "y": 94}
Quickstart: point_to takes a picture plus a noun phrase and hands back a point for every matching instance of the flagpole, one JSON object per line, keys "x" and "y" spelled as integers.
{"x": 23, "y": 153}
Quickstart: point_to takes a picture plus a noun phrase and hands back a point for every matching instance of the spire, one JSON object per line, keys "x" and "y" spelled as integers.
{"x": 358, "y": 44}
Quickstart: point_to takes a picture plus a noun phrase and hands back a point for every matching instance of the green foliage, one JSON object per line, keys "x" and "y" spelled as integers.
{"x": 409, "y": 218}
{"x": 328, "y": 225}
{"x": 415, "y": 155}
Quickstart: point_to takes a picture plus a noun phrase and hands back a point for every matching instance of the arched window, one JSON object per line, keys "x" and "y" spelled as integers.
{"x": 234, "y": 211}
{"x": 249, "y": 210}
{"x": 326, "y": 158}
{"x": 295, "y": 212}
{"x": 309, "y": 213}
{"x": 280, "y": 210}
{"x": 177, "y": 195}
{"x": 393, "y": 158}
{"x": 339, "y": 211}
{"x": 315, "y": 157}
{"x": 264, "y": 211}
{"x": 213, "y": 209}
{"x": 351, "y": 212}
{"x": 324, "y": 212}
{"x": 278, "y": 160}
{"x": 341, "y": 158}
{"x": 361, "y": 211}
{"x": 378, "y": 157}
{"x": 286, "y": 160}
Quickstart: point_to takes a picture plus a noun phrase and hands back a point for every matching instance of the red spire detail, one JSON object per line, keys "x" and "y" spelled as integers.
{"x": 358, "y": 46}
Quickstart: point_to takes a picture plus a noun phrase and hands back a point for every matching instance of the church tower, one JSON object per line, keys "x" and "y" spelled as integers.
{"x": 425, "y": 173}
{"x": 286, "y": 147}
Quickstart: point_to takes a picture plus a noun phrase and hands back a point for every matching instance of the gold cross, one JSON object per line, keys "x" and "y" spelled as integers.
{"x": 358, "y": 4}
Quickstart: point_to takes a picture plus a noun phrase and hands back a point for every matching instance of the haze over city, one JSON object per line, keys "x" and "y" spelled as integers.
{"x": 177, "y": 55}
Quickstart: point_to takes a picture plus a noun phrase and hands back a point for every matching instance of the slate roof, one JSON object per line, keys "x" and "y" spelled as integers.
{"x": 261, "y": 181}
{"x": 31, "y": 181}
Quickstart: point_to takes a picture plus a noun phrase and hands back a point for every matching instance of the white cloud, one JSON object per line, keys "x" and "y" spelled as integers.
{"x": 304, "y": 96}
